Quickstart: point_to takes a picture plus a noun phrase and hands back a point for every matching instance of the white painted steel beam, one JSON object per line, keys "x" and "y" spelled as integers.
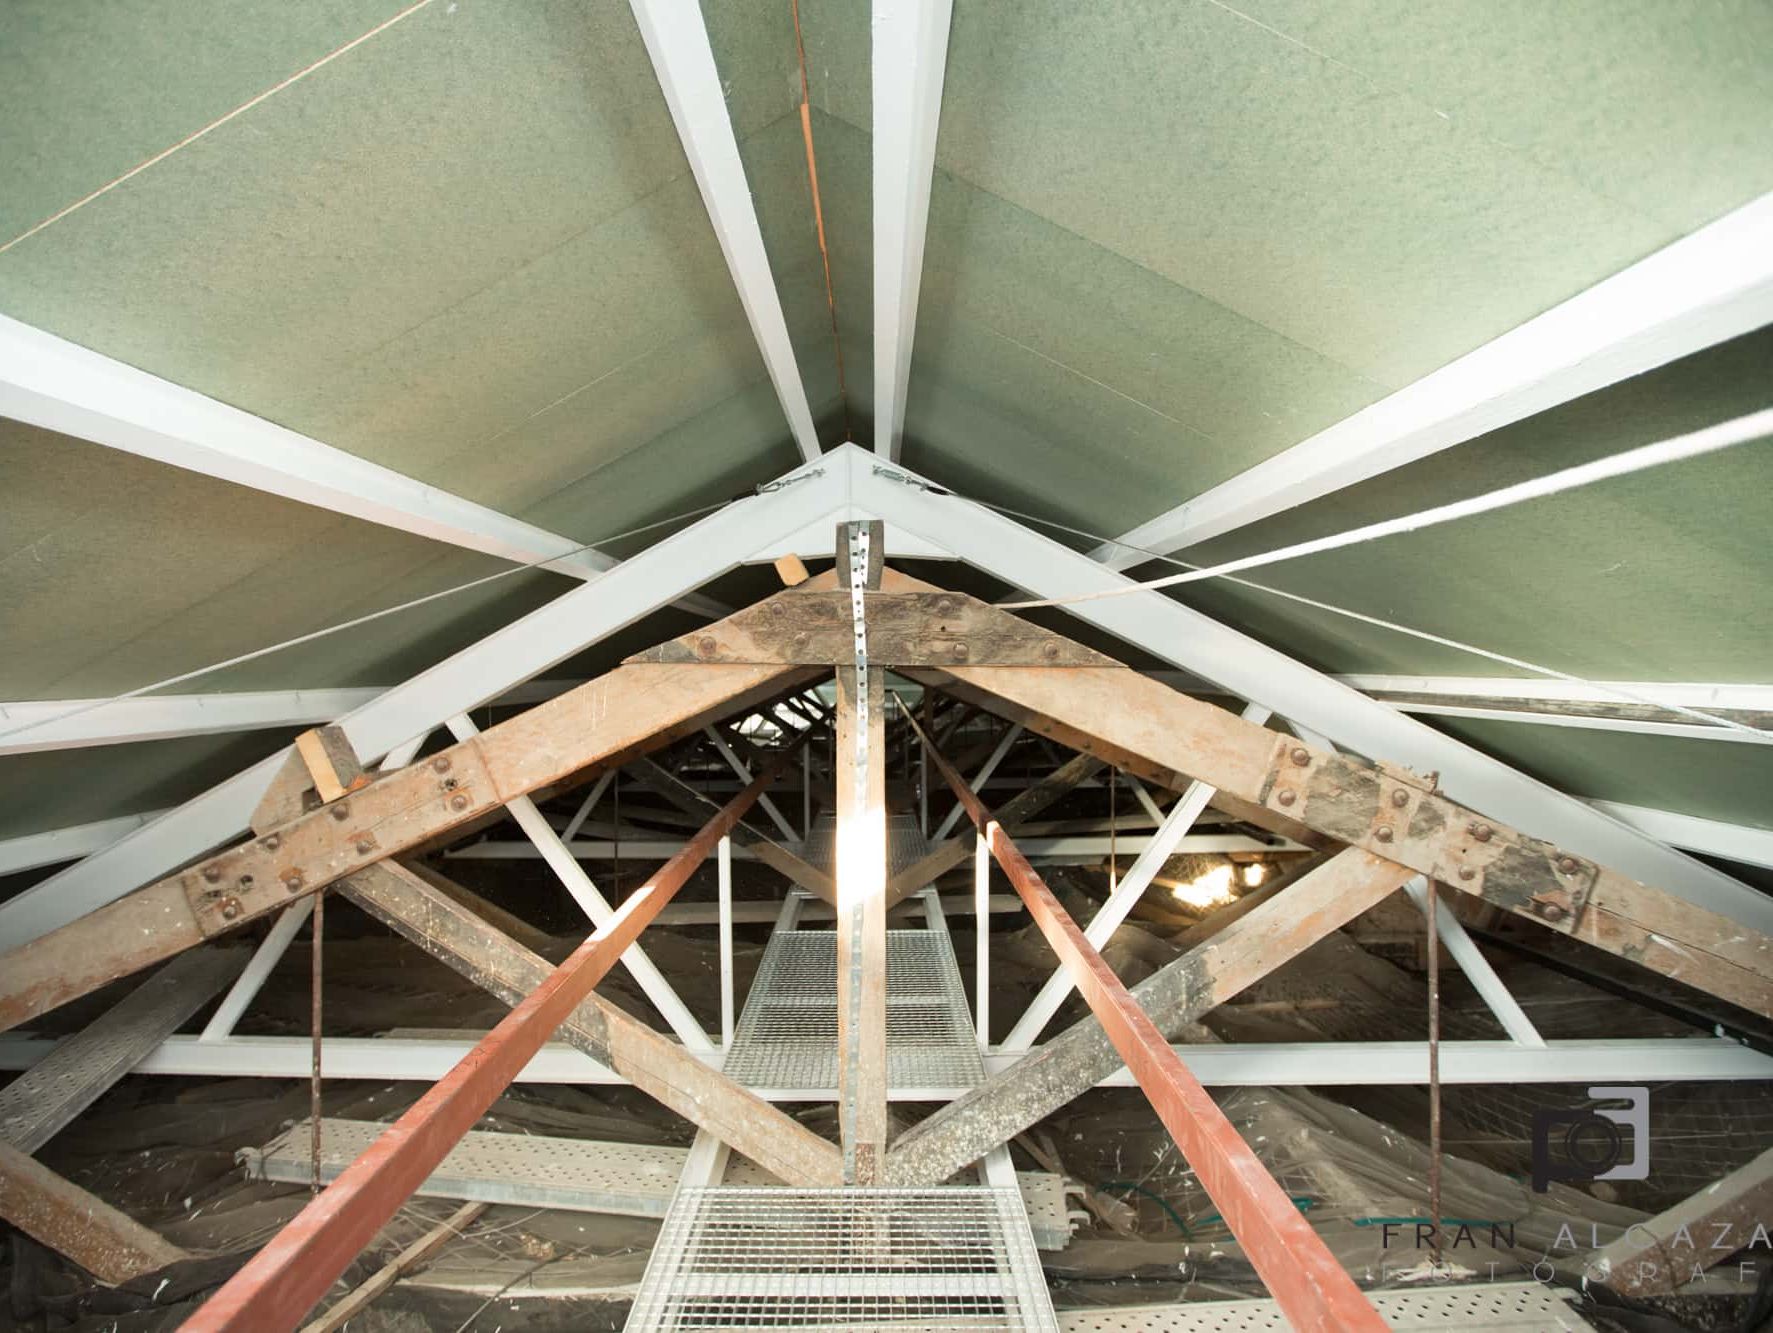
{"x": 519, "y": 651}
{"x": 595, "y": 906}
{"x": 744, "y": 775}
{"x": 50, "y": 382}
{"x": 1452, "y": 933}
{"x": 677, "y": 40}
{"x": 167, "y": 716}
{"x": 1258, "y": 1064}
{"x": 1250, "y": 670}
{"x": 1736, "y": 842}
{"x": 908, "y": 61}
{"x": 161, "y": 717}
{"x": 30, "y": 850}
{"x": 1158, "y": 849}
{"x": 979, "y": 780}
{"x": 1704, "y": 289}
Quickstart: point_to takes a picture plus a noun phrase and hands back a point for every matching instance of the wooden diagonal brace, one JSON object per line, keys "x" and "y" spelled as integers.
{"x": 623, "y": 712}
{"x": 1177, "y": 994}
{"x": 412, "y": 905}
{"x": 1307, "y": 1282}
{"x": 1375, "y": 807}
{"x": 284, "y": 1280}
{"x": 111, "y": 1246}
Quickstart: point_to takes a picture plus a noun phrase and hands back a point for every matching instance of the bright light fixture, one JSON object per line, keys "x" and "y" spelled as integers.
{"x": 1208, "y": 889}
{"x": 1254, "y": 873}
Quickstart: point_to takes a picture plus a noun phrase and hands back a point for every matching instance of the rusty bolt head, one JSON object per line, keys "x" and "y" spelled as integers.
{"x": 1467, "y": 873}
{"x": 341, "y": 812}
{"x": 1383, "y": 833}
{"x": 459, "y": 801}
{"x": 1050, "y": 651}
{"x": 1481, "y": 832}
{"x": 1301, "y": 756}
{"x": 1550, "y": 911}
{"x": 706, "y": 646}
{"x": 292, "y": 880}
{"x": 230, "y": 908}
{"x": 1568, "y": 865}
{"x": 271, "y": 843}
{"x": 959, "y": 652}
{"x": 440, "y": 764}
{"x": 1400, "y": 798}
{"x": 364, "y": 846}
{"x": 212, "y": 873}
{"x": 1286, "y": 798}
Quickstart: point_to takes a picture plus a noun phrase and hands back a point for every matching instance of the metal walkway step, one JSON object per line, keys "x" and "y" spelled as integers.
{"x": 1488, "y": 1307}
{"x": 40, "y": 1102}
{"x": 951, "y": 1258}
{"x": 787, "y": 1033}
{"x": 906, "y": 846}
{"x": 582, "y": 1175}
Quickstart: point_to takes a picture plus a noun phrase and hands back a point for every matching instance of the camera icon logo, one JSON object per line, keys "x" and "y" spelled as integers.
{"x": 1588, "y": 1143}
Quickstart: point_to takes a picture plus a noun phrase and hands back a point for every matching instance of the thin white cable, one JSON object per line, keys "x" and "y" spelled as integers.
{"x": 256, "y": 653}
{"x": 1725, "y": 435}
{"x": 1606, "y": 687}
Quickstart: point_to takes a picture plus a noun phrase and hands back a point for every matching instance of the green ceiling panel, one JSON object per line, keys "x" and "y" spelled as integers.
{"x": 60, "y": 788}
{"x": 1663, "y": 575}
{"x": 1712, "y": 779}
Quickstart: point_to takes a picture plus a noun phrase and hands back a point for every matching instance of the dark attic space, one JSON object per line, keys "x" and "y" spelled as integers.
{"x": 780, "y": 665}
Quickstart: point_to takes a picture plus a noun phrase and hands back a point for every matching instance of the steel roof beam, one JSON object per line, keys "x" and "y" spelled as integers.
{"x": 523, "y": 649}
{"x": 49, "y": 382}
{"x": 909, "y": 59}
{"x": 1704, "y": 289}
{"x": 677, "y": 40}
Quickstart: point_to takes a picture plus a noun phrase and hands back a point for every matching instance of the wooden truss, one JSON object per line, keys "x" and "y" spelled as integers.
{"x": 1375, "y": 827}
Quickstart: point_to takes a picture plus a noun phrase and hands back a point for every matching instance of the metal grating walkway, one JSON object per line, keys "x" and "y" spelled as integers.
{"x": 1493, "y": 1307}
{"x": 787, "y": 1034}
{"x": 808, "y": 1260}
{"x": 905, "y": 844}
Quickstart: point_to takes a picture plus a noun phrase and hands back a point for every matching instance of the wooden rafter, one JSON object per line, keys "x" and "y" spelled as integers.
{"x": 623, "y": 713}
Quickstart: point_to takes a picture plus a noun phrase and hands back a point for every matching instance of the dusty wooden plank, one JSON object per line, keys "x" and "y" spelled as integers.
{"x": 408, "y": 1259}
{"x": 37, "y": 1104}
{"x": 59, "y": 1214}
{"x": 1027, "y": 803}
{"x": 332, "y": 764}
{"x": 621, "y": 712}
{"x": 1389, "y": 811}
{"x": 1678, "y": 1245}
{"x": 454, "y": 935}
{"x": 1174, "y": 996}
{"x": 904, "y": 629}
{"x": 860, "y": 864}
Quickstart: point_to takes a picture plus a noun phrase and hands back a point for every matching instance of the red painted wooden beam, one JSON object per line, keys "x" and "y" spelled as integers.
{"x": 1313, "y": 1291}
{"x": 286, "y": 1278}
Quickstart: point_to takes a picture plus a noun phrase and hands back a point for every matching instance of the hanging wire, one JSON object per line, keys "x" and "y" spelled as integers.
{"x": 1695, "y": 444}
{"x": 95, "y": 704}
{"x": 1606, "y": 687}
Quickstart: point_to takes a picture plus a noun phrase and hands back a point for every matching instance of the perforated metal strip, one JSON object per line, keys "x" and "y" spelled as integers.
{"x": 1492, "y": 1307}
{"x": 852, "y": 1026}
